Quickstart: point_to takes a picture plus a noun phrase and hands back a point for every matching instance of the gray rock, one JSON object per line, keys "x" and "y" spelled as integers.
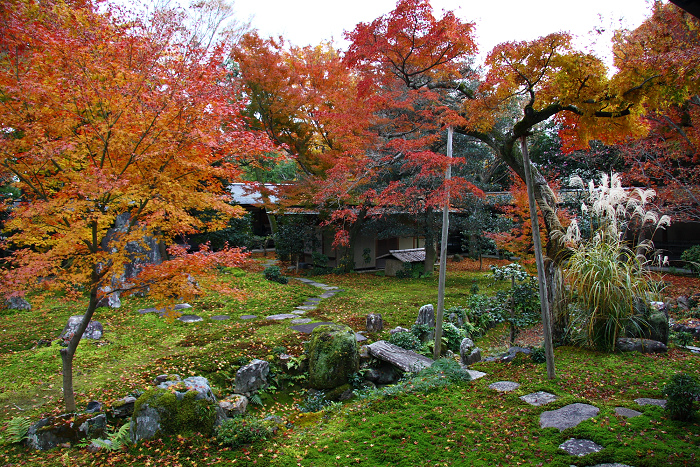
{"x": 194, "y": 383}
{"x": 306, "y": 307}
{"x": 474, "y": 374}
{"x": 580, "y": 447}
{"x": 220, "y": 317}
{"x": 611, "y": 465}
{"x": 399, "y": 329}
{"x": 282, "y": 316}
{"x": 49, "y": 432}
{"x": 93, "y": 407}
{"x": 467, "y": 353}
{"x": 627, "y": 413}
{"x": 386, "y": 373}
{"x": 190, "y": 318}
{"x": 539, "y": 398}
{"x": 374, "y": 322}
{"x": 301, "y": 321}
{"x": 426, "y": 316}
{"x": 629, "y": 344}
{"x": 504, "y": 386}
{"x": 235, "y": 404}
{"x": 145, "y": 424}
{"x": 109, "y": 298}
{"x": 308, "y": 328}
{"x": 124, "y": 407}
{"x": 18, "y": 303}
{"x": 252, "y": 377}
{"x": 647, "y": 401}
{"x": 405, "y": 360}
{"x": 94, "y": 329}
{"x": 248, "y": 317}
{"x": 568, "y": 416}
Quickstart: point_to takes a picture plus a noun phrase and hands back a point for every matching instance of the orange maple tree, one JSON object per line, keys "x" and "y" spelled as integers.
{"x": 105, "y": 122}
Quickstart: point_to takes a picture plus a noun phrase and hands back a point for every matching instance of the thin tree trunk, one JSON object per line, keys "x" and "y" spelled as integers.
{"x": 443, "y": 256}
{"x": 67, "y": 353}
{"x": 512, "y": 310}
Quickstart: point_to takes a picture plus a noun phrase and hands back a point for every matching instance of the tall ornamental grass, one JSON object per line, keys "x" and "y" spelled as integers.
{"x": 608, "y": 276}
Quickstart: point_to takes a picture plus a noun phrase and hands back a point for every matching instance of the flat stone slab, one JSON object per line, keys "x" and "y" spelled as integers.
{"x": 248, "y": 317}
{"x": 539, "y": 398}
{"x": 359, "y": 337}
{"x": 312, "y": 300}
{"x": 301, "y": 321}
{"x": 190, "y": 318}
{"x": 474, "y": 374}
{"x": 504, "y": 386}
{"x": 611, "y": 465}
{"x": 299, "y": 312}
{"x": 580, "y": 447}
{"x": 310, "y": 303}
{"x": 568, "y": 416}
{"x": 307, "y": 328}
{"x": 646, "y": 401}
{"x": 281, "y": 316}
{"x": 406, "y": 360}
{"x": 179, "y": 306}
{"x": 327, "y": 294}
{"x": 220, "y": 317}
{"x": 627, "y": 413}
{"x": 306, "y": 307}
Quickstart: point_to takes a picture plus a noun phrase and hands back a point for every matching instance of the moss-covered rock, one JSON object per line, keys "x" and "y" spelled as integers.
{"x": 49, "y": 432}
{"x": 332, "y": 355}
{"x": 162, "y": 411}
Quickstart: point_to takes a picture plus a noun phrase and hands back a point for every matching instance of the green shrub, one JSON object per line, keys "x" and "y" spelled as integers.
{"x": 681, "y": 392}
{"x": 405, "y": 340}
{"x": 412, "y": 271}
{"x": 537, "y": 355}
{"x": 237, "y": 431}
{"x": 453, "y": 336}
{"x": 692, "y": 258}
{"x": 683, "y": 338}
{"x": 273, "y": 273}
{"x": 315, "y": 401}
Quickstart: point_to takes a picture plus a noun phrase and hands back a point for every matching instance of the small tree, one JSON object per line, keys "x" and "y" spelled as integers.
{"x": 104, "y": 120}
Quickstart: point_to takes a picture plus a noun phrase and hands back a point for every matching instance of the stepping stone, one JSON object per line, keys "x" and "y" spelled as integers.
{"x": 306, "y": 307}
{"x": 539, "y": 398}
{"x": 307, "y": 328}
{"x": 627, "y": 413}
{"x": 474, "y": 374}
{"x": 220, "y": 317}
{"x": 611, "y": 465}
{"x": 308, "y": 303}
{"x": 580, "y": 447}
{"x": 298, "y": 312}
{"x": 568, "y": 416}
{"x": 190, "y": 318}
{"x": 301, "y": 321}
{"x": 406, "y": 360}
{"x": 327, "y": 294}
{"x": 182, "y": 306}
{"x": 304, "y": 280}
{"x": 248, "y": 317}
{"x": 282, "y": 316}
{"x": 313, "y": 300}
{"x": 646, "y": 401}
{"x": 359, "y": 337}
{"x": 143, "y": 311}
{"x": 504, "y": 386}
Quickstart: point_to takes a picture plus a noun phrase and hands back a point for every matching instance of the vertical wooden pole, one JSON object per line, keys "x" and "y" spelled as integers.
{"x": 549, "y": 351}
{"x": 443, "y": 253}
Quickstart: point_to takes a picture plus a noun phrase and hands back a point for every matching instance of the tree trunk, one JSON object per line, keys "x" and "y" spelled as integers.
{"x": 512, "y": 310}
{"x": 67, "y": 353}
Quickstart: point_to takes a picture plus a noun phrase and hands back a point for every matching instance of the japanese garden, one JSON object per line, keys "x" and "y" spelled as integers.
{"x": 220, "y": 248}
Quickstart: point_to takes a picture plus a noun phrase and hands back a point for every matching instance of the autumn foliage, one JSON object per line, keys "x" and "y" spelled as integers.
{"x": 106, "y": 118}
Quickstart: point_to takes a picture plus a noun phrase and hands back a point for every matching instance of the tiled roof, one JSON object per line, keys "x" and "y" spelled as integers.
{"x": 413, "y": 255}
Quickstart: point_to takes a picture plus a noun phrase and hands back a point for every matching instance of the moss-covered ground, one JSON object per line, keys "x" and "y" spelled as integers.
{"x": 464, "y": 424}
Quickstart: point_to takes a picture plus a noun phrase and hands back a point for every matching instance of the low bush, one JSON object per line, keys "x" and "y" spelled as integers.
{"x": 237, "y": 431}
{"x": 405, "y": 340}
{"x": 273, "y": 273}
{"x": 692, "y": 258}
{"x": 681, "y": 392}
{"x": 537, "y": 355}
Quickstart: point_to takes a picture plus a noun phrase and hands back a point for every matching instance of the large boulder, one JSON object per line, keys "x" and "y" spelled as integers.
{"x": 468, "y": 353}
{"x": 332, "y": 355}
{"x": 628, "y": 344}
{"x": 50, "y": 432}
{"x": 651, "y": 321}
{"x": 374, "y": 322}
{"x": 94, "y": 329}
{"x": 176, "y": 407}
{"x": 252, "y": 377}
{"x": 18, "y": 303}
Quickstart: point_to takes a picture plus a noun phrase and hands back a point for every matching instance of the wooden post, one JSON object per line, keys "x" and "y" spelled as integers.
{"x": 549, "y": 351}
{"x": 443, "y": 253}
